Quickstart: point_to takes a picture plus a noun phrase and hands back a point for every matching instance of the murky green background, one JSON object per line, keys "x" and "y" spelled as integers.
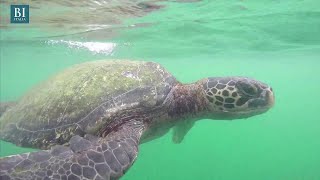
{"x": 274, "y": 41}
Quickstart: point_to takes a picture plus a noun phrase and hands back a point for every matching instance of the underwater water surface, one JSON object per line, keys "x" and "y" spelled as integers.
{"x": 277, "y": 42}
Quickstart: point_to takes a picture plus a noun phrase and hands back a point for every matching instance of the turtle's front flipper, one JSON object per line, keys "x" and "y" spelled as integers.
{"x": 85, "y": 158}
{"x": 180, "y": 130}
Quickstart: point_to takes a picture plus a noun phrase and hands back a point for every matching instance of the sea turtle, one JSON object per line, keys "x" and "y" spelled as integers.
{"x": 89, "y": 119}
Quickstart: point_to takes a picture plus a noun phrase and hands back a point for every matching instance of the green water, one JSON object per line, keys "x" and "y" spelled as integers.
{"x": 277, "y": 42}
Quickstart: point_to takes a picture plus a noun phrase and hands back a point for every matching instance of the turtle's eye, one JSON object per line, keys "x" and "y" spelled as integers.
{"x": 247, "y": 89}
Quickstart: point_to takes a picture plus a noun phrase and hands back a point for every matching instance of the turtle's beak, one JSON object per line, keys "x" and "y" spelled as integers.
{"x": 264, "y": 102}
{"x": 270, "y": 97}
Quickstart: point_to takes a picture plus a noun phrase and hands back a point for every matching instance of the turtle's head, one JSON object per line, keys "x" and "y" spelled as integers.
{"x": 236, "y": 97}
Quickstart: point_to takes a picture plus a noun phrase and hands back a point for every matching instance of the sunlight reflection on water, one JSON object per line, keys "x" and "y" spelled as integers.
{"x": 95, "y": 47}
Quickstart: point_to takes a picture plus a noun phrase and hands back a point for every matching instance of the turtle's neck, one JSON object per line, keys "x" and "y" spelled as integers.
{"x": 187, "y": 101}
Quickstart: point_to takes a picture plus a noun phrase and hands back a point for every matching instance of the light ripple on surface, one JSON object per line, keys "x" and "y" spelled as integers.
{"x": 95, "y": 47}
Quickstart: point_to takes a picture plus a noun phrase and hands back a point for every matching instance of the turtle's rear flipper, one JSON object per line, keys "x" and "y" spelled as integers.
{"x": 4, "y": 106}
{"x": 85, "y": 158}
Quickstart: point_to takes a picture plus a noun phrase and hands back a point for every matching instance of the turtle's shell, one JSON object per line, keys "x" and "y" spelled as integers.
{"x": 76, "y": 100}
